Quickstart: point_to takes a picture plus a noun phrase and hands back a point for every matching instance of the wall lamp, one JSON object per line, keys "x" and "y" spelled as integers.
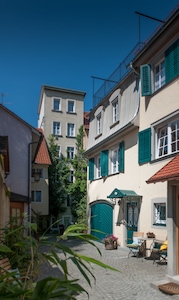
{"x": 36, "y": 174}
{"x": 118, "y": 200}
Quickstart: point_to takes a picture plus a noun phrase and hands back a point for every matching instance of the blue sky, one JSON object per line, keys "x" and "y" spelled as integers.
{"x": 64, "y": 42}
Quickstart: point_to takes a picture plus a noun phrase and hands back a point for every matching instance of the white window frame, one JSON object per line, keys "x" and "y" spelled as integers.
{"x": 68, "y": 106}
{"x": 167, "y": 138}
{"x": 99, "y": 124}
{"x": 34, "y": 199}
{"x": 56, "y": 128}
{"x": 159, "y": 217}
{"x": 71, "y": 129}
{"x": 98, "y": 167}
{"x": 115, "y": 110}
{"x": 159, "y": 75}
{"x": 114, "y": 160}
{"x": 55, "y": 99}
{"x": 59, "y": 150}
{"x": 71, "y": 176}
{"x": 71, "y": 153}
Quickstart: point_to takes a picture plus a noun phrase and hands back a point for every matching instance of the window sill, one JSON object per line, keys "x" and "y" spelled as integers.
{"x": 164, "y": 157}
{"x": 114, "y": 124}
{"x": 98, "y": 136}
{"x": 158, "y": 224}
{"x": 58, "y": 111}
{"x": 69, "y": 136}
{"x": 56, "y": 135}
{"x": 71, "y": 112}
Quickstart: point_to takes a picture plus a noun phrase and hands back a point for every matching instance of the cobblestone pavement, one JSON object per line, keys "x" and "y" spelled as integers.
{"x": 134, "y": 280}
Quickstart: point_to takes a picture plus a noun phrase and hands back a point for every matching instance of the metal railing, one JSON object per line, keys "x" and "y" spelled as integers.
{"x": 124, "y": 68}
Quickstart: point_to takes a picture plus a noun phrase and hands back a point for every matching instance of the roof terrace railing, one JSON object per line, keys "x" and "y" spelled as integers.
{"x": 121, "y": 71}
{"x": 124, "y": 68}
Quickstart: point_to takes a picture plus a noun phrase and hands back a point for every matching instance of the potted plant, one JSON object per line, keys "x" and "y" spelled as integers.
{"x": 110, "y": 242}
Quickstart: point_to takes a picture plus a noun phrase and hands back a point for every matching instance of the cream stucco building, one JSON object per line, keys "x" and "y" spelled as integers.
{"x": 134, "y": 132}
{"x": 61, "y": 115}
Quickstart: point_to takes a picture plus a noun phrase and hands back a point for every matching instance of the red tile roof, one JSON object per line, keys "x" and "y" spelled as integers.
{"x": 168, "y": 172}
{"x": 42, "y": 156}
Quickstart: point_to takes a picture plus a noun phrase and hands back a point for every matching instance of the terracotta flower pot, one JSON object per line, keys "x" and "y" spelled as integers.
{"x": 111, "y": 246}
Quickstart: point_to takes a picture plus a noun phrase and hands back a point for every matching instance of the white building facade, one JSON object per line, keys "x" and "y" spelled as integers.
{"x": 61, "y": 115}
{"x": 134, "y": 132}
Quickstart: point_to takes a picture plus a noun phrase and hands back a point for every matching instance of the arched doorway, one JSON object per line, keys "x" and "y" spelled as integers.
{"x": 101, "y": 220}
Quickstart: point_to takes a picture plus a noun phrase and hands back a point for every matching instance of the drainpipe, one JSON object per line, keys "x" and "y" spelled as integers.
{"x": 29, "y": 174}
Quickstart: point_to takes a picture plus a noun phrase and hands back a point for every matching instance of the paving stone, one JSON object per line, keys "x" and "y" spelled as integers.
{"x": 135, "y": 280}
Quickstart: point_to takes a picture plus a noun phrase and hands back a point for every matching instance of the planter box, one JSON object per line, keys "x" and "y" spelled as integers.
{"x": 111, "y": 246}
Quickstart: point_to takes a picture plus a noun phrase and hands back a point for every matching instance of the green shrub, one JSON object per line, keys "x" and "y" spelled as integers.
{"x": 19, "y": 247}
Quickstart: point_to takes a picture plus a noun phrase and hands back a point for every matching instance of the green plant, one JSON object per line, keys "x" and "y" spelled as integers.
{"x": 50, "y": 287}
{"x": 110, "y": 239}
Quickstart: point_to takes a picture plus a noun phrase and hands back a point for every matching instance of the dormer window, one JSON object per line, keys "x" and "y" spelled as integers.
{"x": 99, "y": 124}
{"x": 115, "y": 110}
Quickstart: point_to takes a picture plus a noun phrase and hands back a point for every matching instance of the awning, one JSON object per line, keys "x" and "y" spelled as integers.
{"x": 123, "y": 194}
{"x": 169, "y": 172}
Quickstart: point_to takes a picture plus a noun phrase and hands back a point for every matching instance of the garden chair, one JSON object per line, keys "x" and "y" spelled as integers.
{"x": 138, "y": 246}
{"x": 159, "y": 251}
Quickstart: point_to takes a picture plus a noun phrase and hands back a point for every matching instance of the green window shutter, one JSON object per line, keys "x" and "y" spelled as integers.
{"x": 104, "y": 162}
{"x": 145, "y": 74}
{"x": 91, "y": 168}
{"x": 172, "y": 61}
{"x": 121, "y": 157}
{"x": 144, "y": 146}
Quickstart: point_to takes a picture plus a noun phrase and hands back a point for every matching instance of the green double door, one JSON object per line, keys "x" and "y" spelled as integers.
{"x": 101, "y": 220}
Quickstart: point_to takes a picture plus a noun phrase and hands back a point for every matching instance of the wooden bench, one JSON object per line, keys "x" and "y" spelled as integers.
{"x": 5, "y": 265}
{"x": 7, "y": 272}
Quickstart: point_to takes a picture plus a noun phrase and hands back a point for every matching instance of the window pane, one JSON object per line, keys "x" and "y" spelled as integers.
{"x": 38, "y": 196}
{"x": 71, "y": 130}
{"x": 163, "y": 141}
{"x": 71, "y": 106}
{"x": 114, "y": 161}
{"x": 70, "y": 152}
{"x": 56, "y": 128}
{"x": 115, "y": 111}
{"x": 159, "y": 75}
{"x": 98, "y": 167}
{"x": 56, "y": 104}
{"x": 160, "y": 213}
{"x": 99, "y": 124}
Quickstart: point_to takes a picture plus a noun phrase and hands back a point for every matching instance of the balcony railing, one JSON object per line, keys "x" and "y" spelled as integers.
{"x": 124, "y": 68}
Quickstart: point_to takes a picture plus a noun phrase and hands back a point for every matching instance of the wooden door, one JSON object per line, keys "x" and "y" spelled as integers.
{"x": 16, "y": 212}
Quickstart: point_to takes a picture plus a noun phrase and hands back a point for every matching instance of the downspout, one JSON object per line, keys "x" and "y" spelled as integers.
{"x": 29, "y": 174}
